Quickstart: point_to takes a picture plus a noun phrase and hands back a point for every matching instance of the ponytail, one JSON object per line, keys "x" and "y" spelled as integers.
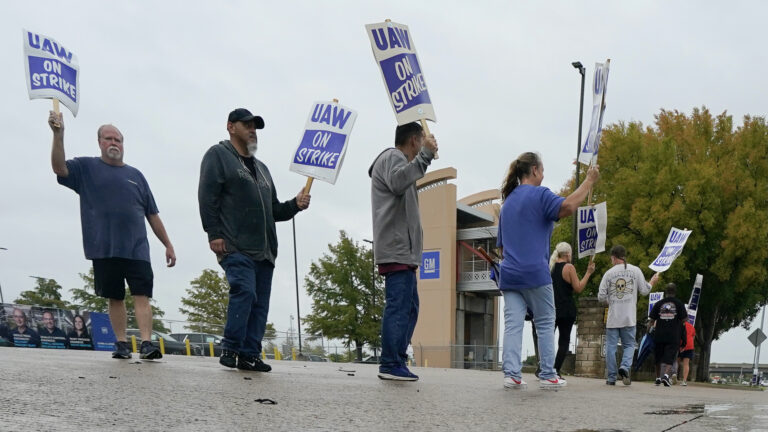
{"x": 518, "y": 169}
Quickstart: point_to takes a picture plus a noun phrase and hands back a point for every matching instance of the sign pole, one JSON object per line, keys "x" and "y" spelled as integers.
{"x": 56, "y": 111}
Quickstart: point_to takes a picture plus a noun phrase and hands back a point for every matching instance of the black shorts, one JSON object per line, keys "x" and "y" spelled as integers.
{"x": 666, "y": 352}
{"x": 110, "y": 275}
{"x": 686, "y": 354}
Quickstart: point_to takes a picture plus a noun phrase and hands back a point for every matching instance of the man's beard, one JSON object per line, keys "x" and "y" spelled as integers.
{"x": 252, "y": 147}
{"x": 114, "y": 153}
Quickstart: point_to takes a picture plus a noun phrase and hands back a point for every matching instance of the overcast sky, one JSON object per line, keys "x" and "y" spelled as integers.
{"x": 499, "y": 75}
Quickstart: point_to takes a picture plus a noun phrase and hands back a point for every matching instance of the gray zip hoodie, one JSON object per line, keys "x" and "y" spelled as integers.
{"x": 238, "y": 208}
{"x": 397, "y": 233}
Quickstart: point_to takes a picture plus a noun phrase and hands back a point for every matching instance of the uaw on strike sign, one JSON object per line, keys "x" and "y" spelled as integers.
{"x": 395, "y": 52}
{"x": 324, "y": 143}
{"x": 52, "y": 71}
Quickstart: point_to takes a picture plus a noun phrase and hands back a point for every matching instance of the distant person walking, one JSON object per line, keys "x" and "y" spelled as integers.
{"x": 115, "y": 199}
{"x": 565, "y": 282}
{"x": 397, "y": 239}
{"x": 667, "y": 318}
{"x": 686, "y": 352}
{"x": 619, "y": 288}
{"x": 527, "y": 218}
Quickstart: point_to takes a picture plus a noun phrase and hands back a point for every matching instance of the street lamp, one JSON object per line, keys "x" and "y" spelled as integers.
{"x": 373, "y": 287}
{"x": 1, "y": 287}
{"x": 578, "y": 65}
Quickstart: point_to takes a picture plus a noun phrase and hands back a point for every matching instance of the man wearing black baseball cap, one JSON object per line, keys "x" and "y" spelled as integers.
{"x": 238, "y": 208}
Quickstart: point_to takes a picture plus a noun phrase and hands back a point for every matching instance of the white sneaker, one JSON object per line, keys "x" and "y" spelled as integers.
{"x": 673, "y": 378}
{"x": 555, "y": 383}
{"x": 512, "y": 383}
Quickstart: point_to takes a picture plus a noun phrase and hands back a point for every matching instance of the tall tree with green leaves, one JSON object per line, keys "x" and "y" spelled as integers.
{"x": 205, "y": 304}
{"x": 347, "y": 299}
{"x": 698, "y": 172}
{"x": 86, "y": 299}
{"x": 47, "y": 293}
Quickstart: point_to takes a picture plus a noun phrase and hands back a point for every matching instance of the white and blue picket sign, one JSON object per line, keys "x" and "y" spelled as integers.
{"x": 395, "y": 53}
{"x": 671, "y": 250}
{"x": 588, "y": 153}
{"x": 52, "y": 71}
{"x": 324, "y": 143}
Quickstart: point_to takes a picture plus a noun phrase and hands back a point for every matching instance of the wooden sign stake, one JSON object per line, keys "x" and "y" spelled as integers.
{"x": 56, "y": 111}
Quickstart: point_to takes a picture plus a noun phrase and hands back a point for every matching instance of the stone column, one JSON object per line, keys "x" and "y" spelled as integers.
{"x": 590, "y": 331}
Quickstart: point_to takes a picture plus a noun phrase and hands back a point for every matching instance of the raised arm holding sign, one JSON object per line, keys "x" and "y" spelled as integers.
{"x": 323, "y": 145}
{"x": 52, "y": 71}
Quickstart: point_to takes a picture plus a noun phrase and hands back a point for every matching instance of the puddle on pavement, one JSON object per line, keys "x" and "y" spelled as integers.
{"x": 707, "y": 409}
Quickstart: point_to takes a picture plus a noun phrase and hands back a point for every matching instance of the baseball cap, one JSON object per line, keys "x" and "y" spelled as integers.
{"x": 243, "y": 115}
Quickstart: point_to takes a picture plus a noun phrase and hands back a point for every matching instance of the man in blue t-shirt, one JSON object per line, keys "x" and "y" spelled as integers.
{"x": 114, "y": 201}
{"x": 23, "y": 336}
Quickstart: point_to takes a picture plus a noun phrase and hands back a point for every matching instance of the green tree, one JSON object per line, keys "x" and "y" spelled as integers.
{"x": 47, "y": 293}
{"x": 85, "y": 299}
{"x": 205, "y": 304}
{"x": 346, "y": 304}
{"x": 700, "y": 173}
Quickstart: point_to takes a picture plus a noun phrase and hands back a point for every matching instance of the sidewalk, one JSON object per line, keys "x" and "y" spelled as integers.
{"x": 83, "y": 391}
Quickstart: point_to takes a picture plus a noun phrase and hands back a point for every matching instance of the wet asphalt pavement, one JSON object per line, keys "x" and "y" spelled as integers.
{"x": 84, "y": 391}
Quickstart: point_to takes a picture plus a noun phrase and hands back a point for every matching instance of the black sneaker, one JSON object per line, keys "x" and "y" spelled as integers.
{"x": 228, "y": 358}
{"x": 658, "y": 381}
{"x": 122, "y": 350}
{"x": 149, "y": 351}
{"x": 624, "y": 374}
{"x": 665, "y": 380}
{"x": 613, "y": 383}
{"x": 252, "y": 363}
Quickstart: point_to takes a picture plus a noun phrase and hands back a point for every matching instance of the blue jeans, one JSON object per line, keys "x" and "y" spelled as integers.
{"x": 400, "y": 315}
{"x": 250, "y": 283}
{"x": 612, "y": 335}
{"x": 541, "y": 301}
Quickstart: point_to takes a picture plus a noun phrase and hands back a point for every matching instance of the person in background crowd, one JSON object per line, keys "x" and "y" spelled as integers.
{"x": 667, "y": 315}
{"x": 686, "y": 352}
{"x": 565, "y": 282}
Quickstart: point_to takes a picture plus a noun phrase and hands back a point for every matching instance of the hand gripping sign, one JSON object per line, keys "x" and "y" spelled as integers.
{"x": 52, "y": 71}
{"x": 592, "y": 223}
{"x": 588, "y": 153}
{"x": 395, "y": 53}
{"x": 324, "y": 143}
{"x": 671, "y": 250}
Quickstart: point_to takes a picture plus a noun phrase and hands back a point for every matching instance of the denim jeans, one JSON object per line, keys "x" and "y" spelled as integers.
{"x": 612, "y": 335}
{"x": 541, "y": 301}
{"x": 250, "y": 283}
{"x": 400, "y": 315}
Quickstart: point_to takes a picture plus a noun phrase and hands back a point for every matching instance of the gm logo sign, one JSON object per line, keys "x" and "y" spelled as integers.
{"x": 430, "y": 265}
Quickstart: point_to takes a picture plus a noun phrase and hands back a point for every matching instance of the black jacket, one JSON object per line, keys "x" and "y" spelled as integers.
{"x": 238, "y": 208}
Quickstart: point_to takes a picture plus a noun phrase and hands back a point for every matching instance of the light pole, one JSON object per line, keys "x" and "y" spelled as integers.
{"x": 296, "y": 273}
{"x": 1, "y": 287}
{"x": 373, "y": 287}
{"x": 578, "y": 65}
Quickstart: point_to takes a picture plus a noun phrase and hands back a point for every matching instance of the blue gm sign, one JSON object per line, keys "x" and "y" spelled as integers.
{"x": 430, "y": 265}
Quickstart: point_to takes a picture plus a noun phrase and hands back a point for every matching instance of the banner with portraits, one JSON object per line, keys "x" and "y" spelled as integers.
{"x": 25, "y": 326}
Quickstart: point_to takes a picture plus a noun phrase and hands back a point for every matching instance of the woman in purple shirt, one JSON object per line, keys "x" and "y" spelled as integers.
{"x": 528, "y": 214}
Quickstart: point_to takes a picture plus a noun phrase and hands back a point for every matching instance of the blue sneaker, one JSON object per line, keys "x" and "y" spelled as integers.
{"x": 397, "y": 374}
{"x": 411, "y": 374}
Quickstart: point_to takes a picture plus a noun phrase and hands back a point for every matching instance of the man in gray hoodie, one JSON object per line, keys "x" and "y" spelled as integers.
{"x": 397, "y": 238}
{"x": 238, "y": 208}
